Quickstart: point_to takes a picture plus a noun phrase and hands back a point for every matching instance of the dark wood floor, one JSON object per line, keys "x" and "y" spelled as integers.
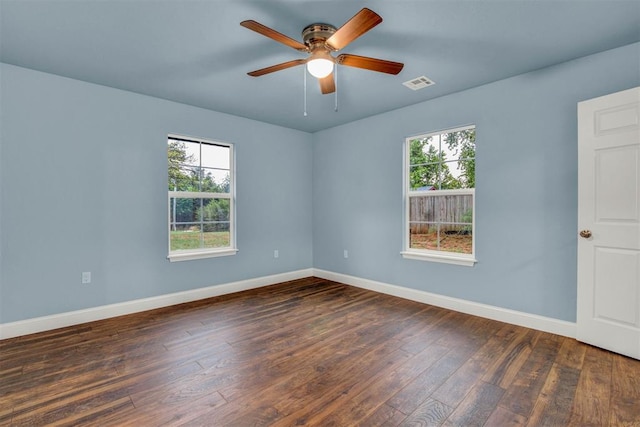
{"x": 311, "y": 352}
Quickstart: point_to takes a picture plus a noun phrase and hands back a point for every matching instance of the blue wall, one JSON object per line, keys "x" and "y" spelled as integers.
{"x": 83, "y": 188}
{"x": 526, "y": 195}
{"x": 83, "y": 175}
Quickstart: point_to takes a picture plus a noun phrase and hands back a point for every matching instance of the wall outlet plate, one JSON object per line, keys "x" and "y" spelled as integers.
{"x": 86, "y": 277}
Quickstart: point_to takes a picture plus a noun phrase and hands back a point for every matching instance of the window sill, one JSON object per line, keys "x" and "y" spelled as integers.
{"x": 447, "y": 259}
{"x": 191, "y": 255}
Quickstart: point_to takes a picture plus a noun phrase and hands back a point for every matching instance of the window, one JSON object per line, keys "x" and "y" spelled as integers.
{"x": 201, "y": 198}
{"x": 440, "y": 196}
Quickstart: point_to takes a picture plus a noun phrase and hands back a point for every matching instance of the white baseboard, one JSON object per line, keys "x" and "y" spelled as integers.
{"x": 55, "y": 321}
{"x": 533, "y": 321}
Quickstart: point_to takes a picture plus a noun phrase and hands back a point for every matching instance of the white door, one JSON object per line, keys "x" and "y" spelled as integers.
{"x": 608, "y": 313}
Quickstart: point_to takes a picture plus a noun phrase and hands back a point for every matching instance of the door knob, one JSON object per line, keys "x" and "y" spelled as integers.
{"x": 585, "y": 233}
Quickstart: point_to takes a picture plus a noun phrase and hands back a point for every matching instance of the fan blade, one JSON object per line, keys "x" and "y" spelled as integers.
{"x": 361, "y": 22}
{"x": 327, "y": 84}
{"x": 273, "y": 34}
{"x": 277, "y": 67}
{"x": 373, "y": 64}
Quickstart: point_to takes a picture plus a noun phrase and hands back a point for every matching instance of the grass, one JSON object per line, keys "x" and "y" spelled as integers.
{"x": 458, "y": 243}
{"x": 191, "y": 240}
{"x": 219, "y": 239}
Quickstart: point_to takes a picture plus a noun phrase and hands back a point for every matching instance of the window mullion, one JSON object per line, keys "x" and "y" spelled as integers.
{"x": 201, "y": 223}
{"x": 198, "y": 195}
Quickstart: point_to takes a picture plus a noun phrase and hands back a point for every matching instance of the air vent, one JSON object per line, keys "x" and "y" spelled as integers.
{"x": 419, "y": 83}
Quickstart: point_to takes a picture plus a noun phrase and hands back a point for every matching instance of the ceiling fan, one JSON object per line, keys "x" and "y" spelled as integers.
{"x": 319, "y": 40}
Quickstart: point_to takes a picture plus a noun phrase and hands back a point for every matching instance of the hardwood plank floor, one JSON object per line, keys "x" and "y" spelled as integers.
{"x": 311, "y": 352}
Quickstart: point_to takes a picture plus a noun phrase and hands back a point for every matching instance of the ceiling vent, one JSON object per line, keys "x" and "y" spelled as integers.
{"x": 419, "y": 83}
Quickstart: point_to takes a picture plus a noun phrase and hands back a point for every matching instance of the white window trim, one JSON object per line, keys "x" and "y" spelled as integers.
{"x": 189, "y": 255}
{"x": 458, "y": 260}
{"x": 468, "y": 260}
{"x": 194, "y": 254}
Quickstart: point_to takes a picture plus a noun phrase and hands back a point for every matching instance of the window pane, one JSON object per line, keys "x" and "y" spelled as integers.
{"x": 215, "y": 226}
{"x": 449, "y": 176}
{"x": 424, "y": 177}
{"x": 422, "y": 209}
{"x": 216, "y": 235}
{"x": 424, "y": 235}
{"x": 192, "y": 153}
{"x": 195, "y": 236}
{"x": 199, "y": 223}
{"x": 186, "y": 237}
{"x": 215, "y": 156}
{"x": 460, "y": 147}
{"x": 182, "y": 210}
{"x": 184, "y": 178}
{"x": 459, "y": 174}
{"x": 215, "y": 210}
{"x": 441, "y": 237}
{"x": 441, "y": 223}
{"x": 216, "y": 180}
{"x": 183, "y": 152}
{"x": 424, "y": 150}
{"x": 456, "y": 238}
{"x": 445, "y": 161}
{"x": 460, "y": 144}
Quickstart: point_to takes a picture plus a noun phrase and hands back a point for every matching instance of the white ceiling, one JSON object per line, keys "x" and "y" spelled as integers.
{"x": 195, "y": 52}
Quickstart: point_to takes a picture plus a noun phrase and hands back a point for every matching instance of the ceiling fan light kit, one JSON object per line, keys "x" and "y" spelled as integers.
{"x": 319, "y": 66}
{"x": 319, "y": 40}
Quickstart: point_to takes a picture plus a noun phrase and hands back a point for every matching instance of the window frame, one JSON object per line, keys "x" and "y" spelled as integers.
{"x": 430, "y": 254}
{"x": 201, "y": 253}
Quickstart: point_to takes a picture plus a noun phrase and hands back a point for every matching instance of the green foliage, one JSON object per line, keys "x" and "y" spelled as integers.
{"x": 463, "y": 145}
{"x": 214, "y": 213}
{"x": 428, "y": 168}
{"x": 177, "y": 156}
{"x": 214, "y": 210}
{"x": 185, "y": 176}
{"x": 467, "y": 218}
{"x": 429, "y": 165}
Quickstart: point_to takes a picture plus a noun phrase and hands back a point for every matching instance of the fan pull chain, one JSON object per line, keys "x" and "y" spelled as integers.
{"x": 304, "y": 70}
{"x": 335, "y": 80}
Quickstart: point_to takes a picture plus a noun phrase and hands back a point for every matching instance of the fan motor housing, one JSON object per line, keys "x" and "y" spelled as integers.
{"x": 317, "y": 33}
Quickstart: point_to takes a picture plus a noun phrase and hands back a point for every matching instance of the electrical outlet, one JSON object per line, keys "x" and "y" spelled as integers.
{"x": 276, "y": 254}
{"x": 86, "y": 277}
{"x": 346, "y": 253}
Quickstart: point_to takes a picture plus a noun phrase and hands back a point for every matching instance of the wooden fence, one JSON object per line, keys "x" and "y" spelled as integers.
{"x": 453, "y": 212}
